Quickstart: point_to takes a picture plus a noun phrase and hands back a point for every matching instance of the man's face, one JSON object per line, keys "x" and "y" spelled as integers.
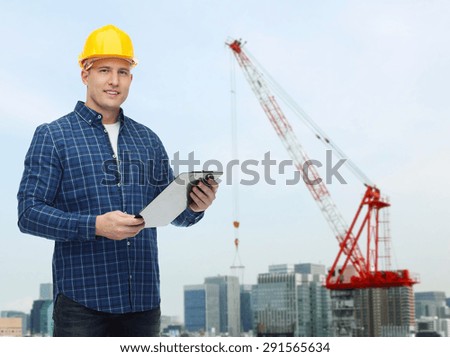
{"x": 108, "y": 82}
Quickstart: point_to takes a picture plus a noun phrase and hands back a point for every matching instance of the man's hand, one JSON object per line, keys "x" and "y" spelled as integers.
{"x": 203, "y": 195}
{"x": 117, "y": 225}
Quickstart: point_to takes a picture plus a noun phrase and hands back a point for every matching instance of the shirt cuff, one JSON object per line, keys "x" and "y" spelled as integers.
{"x": 188, "y": 218}
{"x": 194, "y": 216}
{"x": 86, "y": 227}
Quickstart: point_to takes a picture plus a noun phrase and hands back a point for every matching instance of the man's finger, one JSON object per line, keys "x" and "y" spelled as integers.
{"x": 208, "y": 190}
{"x": 214, "y": 185}
{"x": 133, "y": 221}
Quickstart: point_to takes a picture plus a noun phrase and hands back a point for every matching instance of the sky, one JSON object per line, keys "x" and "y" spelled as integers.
{"x": 374, "y": 75}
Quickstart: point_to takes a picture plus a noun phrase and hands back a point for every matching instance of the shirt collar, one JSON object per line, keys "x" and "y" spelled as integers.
{"x": 92, "y": 117}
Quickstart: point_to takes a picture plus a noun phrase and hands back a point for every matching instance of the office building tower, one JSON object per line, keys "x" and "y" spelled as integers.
{"x": 292, "y": 301}
{"x": 430, "y": 303}
{"x": 201, "y": 309}
{"x": 246, "y": 309}
{"x": 281, "y": 268}
{"x": 10, "y": 326}
{"x": 444, "y": 327}
{"x": 318, "y": 300}
{"x": 372, "y": 312}
{"x": 41, "y": 323}
{"x": 229, "y": 303}
{"x": 46, "y": 291}
{"x": 23, "y": 316}
{"x": 170, "y": 322}
{"x": 309, "y": 268}
{"x": 432, "y": 326}
{"x": 275, "y": 304}
{"x": 49, "y": 316}
{"x": 432, "y": 314}
{"x": 381, "y": 312}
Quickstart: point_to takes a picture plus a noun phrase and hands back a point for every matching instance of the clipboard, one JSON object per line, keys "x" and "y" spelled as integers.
{"x": 174, "y": 199}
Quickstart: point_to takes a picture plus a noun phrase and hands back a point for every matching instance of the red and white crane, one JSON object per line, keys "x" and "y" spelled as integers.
{"x": 365, "y": 269}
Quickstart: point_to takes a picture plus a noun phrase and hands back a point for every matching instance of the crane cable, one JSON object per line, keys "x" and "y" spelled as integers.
{"x": 306, "y": 119}
{"x": 235, "y": 169}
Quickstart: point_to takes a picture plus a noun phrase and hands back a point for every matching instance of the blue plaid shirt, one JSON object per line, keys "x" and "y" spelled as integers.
{"x": 71, "y": 175}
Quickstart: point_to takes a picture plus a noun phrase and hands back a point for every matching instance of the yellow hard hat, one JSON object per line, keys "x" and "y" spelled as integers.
{"x": 107, "y": 41}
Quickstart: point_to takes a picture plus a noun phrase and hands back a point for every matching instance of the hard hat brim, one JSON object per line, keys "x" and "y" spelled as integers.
{"x": 87, "y": 63}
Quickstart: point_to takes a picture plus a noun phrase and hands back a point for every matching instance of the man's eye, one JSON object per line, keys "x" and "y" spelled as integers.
{"x": 123, "y": 73}
{"x": 103, "y": 70}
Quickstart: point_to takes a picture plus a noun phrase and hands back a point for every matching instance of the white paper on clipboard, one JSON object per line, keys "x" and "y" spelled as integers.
{"x": 173, "y": 199}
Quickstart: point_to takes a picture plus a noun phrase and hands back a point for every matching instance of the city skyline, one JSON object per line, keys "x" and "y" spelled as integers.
{"x": 373, "y": 75}
{"x": 209, "y": 308}
{"x": 45, "y": 287}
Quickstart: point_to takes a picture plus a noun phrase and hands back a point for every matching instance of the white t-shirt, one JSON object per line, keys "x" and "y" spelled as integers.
{"x": 113, "y": 133}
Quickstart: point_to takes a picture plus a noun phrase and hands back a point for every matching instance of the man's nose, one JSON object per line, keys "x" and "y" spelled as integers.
{"x": 114, "y": 78}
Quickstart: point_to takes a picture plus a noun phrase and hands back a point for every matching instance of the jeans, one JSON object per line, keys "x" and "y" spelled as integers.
{"x": 75, "y": 320}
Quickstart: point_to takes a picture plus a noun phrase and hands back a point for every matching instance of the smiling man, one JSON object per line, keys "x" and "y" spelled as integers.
{"x": 108, "y": 81}
{"x": 105, "y": 264}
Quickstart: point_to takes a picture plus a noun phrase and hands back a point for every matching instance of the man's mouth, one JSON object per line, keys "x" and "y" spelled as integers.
{"x": 111, "y": 92}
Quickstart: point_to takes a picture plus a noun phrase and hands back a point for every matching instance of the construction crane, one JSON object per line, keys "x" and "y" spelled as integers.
{"x": 351, "y": 268}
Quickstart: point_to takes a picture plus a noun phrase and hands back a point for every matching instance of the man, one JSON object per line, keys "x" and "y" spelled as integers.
{"x": 81, "y": 187}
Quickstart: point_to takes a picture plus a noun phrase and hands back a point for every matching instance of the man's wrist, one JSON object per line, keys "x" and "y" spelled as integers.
{"x": 99, "y": 225}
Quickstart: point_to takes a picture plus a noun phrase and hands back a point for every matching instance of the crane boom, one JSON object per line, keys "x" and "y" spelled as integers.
{"x": 366, "y": 270}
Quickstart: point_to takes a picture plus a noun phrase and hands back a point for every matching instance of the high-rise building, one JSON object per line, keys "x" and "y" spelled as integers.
{"x": 432, "y": 313}
{"x": 343, "y": 313}
{"x": 444, "y": 327}
{"x": 201, "y": 309}
{"x": 275, "y": 304}
{"x": 171, "y": 326}
{"x": 49, "y": 316}
{"x": 281, "y": 268}
{"x": 309, "y": 268}
{"x": 229, "y": 303}
{"x": 246, "y": 309}
{"x": 319, "y": 301}
{"x": 432, "y": 326}
{"x": 25, "y": 319}
{"x": 46, "y": 291}
{"x": 292, "y": 301}
{"x": 382, "y": 312}
{"x": 430, "y": 303}
{"x": 41, "y": 318}
{"x": 372, "y": 312}
{"x": 10, "y": 326}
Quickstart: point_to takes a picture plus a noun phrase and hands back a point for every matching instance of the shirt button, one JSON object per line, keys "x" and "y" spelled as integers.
{"x": 105, "y": 131}
{"x": 99, "y": 116}
{"x": 128, "y": 243}
{"x": 131, "y": 277}
{"x": 114, "y": 156}
{"x": 119, "y": 184}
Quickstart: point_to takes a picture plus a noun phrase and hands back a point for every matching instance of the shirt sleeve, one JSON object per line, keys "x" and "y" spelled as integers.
{"x": 38, "y": 190}
{"x": 188, "y": 218}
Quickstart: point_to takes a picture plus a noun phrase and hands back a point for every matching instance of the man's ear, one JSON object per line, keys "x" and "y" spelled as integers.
{"x": 84, "y": 76}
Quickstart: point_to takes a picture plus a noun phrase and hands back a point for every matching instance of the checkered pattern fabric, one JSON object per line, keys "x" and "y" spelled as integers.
{"x": 72, "y": 175}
